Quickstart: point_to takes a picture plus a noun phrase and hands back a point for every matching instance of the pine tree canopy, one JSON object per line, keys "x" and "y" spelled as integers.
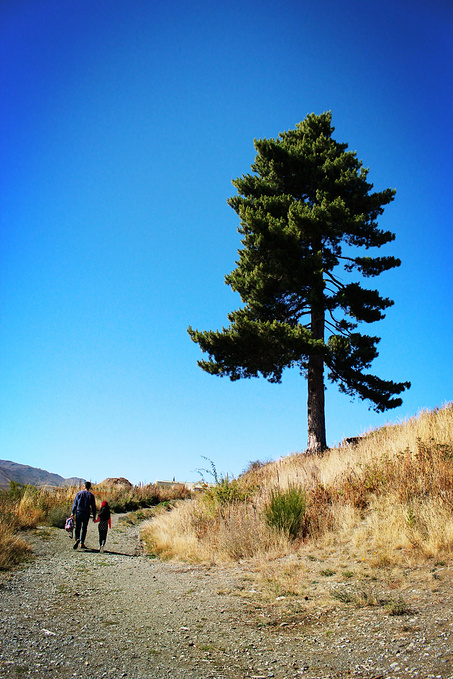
{"x": 304, "y": 211}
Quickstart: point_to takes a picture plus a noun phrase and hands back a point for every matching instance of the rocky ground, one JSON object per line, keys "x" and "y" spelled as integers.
{"x": 121, "y": 614}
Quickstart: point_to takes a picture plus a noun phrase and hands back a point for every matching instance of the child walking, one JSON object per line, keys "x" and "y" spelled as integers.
{"x": 105, "y": 522}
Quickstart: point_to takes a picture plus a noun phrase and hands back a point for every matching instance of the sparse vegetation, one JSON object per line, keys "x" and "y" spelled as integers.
{"x": 57, "y": 516}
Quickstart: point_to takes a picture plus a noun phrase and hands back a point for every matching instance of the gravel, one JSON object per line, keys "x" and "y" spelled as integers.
{"x": 122, "y": 614}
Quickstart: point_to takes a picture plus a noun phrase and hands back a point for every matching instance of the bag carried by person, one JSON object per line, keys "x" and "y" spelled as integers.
{"x": 69, "y": 526}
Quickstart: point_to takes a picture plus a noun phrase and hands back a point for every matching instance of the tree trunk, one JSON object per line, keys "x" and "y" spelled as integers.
{"x": 316, "y": 411}
{"x": 316, "y": 414}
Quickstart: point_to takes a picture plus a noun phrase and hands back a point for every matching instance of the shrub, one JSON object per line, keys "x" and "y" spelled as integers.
{"x": 123, "y": 504}
{"x": 15, "y": 491}
{"x": 398, "y": 607}
{"x": 227, "y": 492}
{"x": 254, "y": 467}
{"x": 144, "y": 514}
{"x": 57, "y": 516}
{"x": 286, "y": 510}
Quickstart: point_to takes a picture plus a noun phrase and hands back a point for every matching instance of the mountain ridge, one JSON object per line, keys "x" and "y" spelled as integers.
{"x": 34, "y": 476}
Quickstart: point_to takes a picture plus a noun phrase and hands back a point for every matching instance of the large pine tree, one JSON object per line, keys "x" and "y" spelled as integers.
{"x": 303, "y": 212}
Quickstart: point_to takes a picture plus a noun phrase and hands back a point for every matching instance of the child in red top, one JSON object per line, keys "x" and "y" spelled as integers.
{"x": 105, "y": 522}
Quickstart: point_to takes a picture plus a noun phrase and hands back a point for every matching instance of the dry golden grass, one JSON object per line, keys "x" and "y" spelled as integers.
{"x": 388, "y": 498}
{"x": 195, "y": 532}
{"x": 13, "y": 549}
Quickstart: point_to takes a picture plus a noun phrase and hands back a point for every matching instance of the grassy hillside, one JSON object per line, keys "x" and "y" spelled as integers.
{"x": 387, "y": 499}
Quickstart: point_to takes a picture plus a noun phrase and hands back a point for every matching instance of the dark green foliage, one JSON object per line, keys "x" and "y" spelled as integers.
{"x": 15, "y": 491}
{"x": 286, "y": 510}
{"x": 135, "y": 517}
{"x": 57, "y": 516}
{"x": 303, "y": 210}
{"x": 129, "y": 503}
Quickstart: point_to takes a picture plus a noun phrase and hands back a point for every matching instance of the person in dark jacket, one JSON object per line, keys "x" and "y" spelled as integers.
{"x": 84, "y": 504}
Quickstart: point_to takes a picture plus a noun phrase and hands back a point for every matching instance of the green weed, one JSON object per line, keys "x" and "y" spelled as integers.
{"x": 348, "y": 574}
{"x": 328, "y": 572}
{"x": 398, "y": 607}
{"x": 286, "y": 510}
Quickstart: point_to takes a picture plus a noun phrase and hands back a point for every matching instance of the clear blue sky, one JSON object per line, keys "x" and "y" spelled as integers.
{"x": 122, "y": 125}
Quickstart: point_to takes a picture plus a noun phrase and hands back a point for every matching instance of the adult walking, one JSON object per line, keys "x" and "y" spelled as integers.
{"x": 84, "y": 504}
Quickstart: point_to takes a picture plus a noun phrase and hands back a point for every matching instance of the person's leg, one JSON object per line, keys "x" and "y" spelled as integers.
{"x": 85, "y": 519}
{"x": 102, "y": 539}
{"x": 78, "y": 526}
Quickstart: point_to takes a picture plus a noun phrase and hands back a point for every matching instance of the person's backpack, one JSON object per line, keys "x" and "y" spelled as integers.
{"x": 69, "y": 526}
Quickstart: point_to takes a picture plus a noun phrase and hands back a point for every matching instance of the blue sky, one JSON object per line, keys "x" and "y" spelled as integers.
{"x": 122, "y": 126}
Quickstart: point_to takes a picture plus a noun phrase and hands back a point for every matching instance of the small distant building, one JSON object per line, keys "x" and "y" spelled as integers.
{"x": 193, "y": 486}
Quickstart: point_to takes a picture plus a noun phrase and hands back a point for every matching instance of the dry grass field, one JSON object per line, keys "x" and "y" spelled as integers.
{"x": 386, "y": 500}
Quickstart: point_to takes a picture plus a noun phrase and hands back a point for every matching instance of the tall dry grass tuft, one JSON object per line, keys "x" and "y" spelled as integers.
{"x": 390, "y": 494}
{"x": 422, "y": 528}
{"x": 188, "y": 533}
{"x": 13, "y": 549}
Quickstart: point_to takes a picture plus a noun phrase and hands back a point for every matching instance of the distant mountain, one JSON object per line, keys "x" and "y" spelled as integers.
{"x": 23, "y": 474}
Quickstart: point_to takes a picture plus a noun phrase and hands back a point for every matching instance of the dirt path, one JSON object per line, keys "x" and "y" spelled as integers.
{"x": 121, "y": 614}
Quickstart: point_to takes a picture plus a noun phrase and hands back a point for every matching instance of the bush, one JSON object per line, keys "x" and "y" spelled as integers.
{"x": 286, "y": 510}
{"x": 124, "y": 504}
{"x": 57, "y": 516}
{"x": 227, "y": 492}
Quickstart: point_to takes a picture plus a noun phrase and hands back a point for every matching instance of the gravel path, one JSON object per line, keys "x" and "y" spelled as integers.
{"x": 121, "y": 614}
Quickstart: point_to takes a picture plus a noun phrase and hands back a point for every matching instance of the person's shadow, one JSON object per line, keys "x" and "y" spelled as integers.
{"x": 90, "y": 550}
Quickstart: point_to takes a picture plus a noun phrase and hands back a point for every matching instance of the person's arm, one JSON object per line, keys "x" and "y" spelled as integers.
{"x": 93, "y": 506}
{"x": 74, "y": 506}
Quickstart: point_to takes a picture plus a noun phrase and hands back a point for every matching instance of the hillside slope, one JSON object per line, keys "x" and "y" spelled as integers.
{"x": 388, "y": 498}
{"x": 26, "y": 475}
